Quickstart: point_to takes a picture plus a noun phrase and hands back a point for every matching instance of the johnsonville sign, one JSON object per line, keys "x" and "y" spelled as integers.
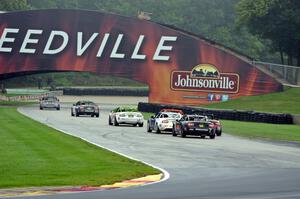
{"x": 205, "y": 77}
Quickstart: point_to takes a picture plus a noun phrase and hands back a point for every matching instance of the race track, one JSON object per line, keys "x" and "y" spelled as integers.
{"x": 227, "y": 167}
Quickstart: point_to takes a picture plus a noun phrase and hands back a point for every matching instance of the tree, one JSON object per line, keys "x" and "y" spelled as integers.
{"x": 276, "y": 20}
{"x": 11, "y": 5}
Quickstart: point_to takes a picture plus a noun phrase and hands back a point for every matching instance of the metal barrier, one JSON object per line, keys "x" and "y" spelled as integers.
{"x": 287, "y": 74}
{"x": 250, "y": 116}
{"x": 30, "y": 97}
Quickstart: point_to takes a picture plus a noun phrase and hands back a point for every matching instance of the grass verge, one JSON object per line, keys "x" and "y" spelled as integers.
{"x": 278, "y": 132}
{"x": 15, "y": 103}
{"x": 33, "y": 154}
{"x": 287, "y": 101}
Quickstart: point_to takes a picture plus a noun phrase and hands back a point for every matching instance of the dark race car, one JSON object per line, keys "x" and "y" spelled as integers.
{"x": 194, "y": 125}
{"x": 217, "y": 123}
{"x": 213, "y": 119}
{"x": 85, "y": 108}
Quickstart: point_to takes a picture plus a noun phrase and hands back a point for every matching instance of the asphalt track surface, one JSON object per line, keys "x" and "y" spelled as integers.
{"x": 227, "y": 167}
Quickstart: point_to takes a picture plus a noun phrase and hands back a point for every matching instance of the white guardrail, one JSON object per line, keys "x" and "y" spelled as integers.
{"x": 287, "y": 74}
{"x": 30, "y": 97}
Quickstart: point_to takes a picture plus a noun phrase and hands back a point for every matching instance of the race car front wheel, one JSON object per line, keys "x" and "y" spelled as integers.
{"x": 219, "y": 133}
{"x": 182, "y": 133}
{"x": 157, "y": 130}
{"x": 173, "y": 131}
{"x": 116, "y": 122}
{"x": 148, "y": 128}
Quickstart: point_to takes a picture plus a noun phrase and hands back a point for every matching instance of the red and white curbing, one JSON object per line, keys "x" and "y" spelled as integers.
{"x": 147, "y": 180}
{"x": 5, "y": 193}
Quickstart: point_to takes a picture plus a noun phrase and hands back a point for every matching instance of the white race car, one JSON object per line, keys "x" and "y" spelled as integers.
{"x": 49, "y": 102}
{"x": 125, "y": 115}
{"x": 162, "y": 121}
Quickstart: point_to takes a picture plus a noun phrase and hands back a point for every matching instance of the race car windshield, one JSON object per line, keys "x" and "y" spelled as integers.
{"x": 196, "y": 118}
{"x": 88, "y": 103}
{"x": 50, "y": 99}
{"x": 175, "y": 115}
{"x": 128, "y": 110}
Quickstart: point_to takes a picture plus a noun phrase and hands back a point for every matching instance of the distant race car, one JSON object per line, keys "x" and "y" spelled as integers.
{"x": 49, "y": 102}
{"x": 85, "y": 108}
{"x": 125, "y": 115}
{"x": 194, "y": 125}
{"x": 217, "y": 123}
{"x": 162, "y": 121}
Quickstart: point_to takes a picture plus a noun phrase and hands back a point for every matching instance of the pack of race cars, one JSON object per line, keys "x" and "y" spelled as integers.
{"x": 173, "y": 120}
{"x": 184, "y": 124}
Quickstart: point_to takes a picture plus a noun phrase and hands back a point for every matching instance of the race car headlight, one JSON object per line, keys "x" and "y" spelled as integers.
{"x": 122, "y": 115}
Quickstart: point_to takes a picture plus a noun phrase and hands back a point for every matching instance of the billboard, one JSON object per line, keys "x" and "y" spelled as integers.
{"x": 179, "y": 68}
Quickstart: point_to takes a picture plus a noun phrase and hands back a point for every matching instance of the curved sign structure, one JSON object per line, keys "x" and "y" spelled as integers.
{"x": 179, "y": 68}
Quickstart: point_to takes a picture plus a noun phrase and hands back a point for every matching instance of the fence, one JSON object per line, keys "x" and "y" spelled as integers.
{"x": 109, "y": 91}
{"x": 289, "y": 74}
{"x": 30, "y": 97}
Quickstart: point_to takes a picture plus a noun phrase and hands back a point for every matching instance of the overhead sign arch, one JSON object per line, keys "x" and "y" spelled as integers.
{"x": 179, "y": 68}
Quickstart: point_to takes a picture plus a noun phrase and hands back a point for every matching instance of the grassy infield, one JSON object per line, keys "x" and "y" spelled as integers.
{"x": 283, "y": 102}
{"x": 33, "y": 154}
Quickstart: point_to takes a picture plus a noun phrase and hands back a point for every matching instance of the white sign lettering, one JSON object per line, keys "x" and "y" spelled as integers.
{"x": 28, "y": 40}
{"x": 4, "y": 39}
{"x": 161, "y": 47}
{"x": 54, "y": 33}
{"x": 53, "y": 48}
{"x": 80, "y": 49}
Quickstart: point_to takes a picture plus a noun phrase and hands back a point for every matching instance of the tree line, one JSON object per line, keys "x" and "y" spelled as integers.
{"x": 266, "y": 30}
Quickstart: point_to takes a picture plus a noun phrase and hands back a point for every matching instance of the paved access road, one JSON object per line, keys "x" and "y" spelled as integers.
{"x": 227, "y": 167}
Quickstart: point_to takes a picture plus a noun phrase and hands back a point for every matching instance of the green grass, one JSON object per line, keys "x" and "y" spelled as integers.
{"x": 147, "y": 115}
{"x": 277, "y": 132}
{"x": 14, "y": 94}
{"x": 33, "y": 154}
{"x": 287, "y": 101}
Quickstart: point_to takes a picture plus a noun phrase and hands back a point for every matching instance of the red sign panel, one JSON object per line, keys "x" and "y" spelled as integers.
{"x": 184, "y": 81}
{"x": 171, "y": 62}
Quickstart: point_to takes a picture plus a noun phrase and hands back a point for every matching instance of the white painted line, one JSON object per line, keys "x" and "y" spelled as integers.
{"x": 166, "y": 174}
